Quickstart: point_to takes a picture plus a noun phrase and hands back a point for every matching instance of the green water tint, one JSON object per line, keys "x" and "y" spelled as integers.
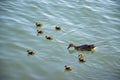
{"x": 81, "y": 22}
{"x": 67, "y": 68}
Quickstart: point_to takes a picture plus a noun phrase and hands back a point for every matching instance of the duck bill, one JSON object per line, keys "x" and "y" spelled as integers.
{"x": 68, "y": 47}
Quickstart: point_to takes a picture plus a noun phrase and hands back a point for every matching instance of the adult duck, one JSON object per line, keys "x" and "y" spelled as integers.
{"x": 85, "y": 47}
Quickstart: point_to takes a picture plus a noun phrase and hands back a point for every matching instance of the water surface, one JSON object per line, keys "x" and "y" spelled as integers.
{"x": 82, "y": 22}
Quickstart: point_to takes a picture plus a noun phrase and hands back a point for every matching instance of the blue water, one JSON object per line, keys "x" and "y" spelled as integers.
{"x": 82, "y": 22}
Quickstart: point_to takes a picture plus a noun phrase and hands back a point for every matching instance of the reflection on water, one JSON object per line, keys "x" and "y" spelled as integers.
{"x": 82, "y": 22}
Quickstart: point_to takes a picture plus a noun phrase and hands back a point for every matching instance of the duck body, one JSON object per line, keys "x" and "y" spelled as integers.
{"x": 85, "y": 47}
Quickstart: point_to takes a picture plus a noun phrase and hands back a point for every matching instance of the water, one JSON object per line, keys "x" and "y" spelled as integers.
{"x": 82, "y": 22}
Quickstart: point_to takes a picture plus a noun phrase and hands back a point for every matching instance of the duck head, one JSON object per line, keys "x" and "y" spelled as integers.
{"x": 28, "y": 50}
{"x": 71, "y": 45}
{"x": 80, "y": 55}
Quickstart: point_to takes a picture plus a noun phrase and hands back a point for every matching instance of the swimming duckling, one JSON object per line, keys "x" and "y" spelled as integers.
{"x": 40, "y": 31}
{"x": 81, "y": 58}
{"x": 69, "y": 68}
{"x": 48, "y": 37}
{"x": 30, "y": 52}
{"x": 85, "y": 47}
{"x": 38, "y": 24}
{"x": 57, "y": 28}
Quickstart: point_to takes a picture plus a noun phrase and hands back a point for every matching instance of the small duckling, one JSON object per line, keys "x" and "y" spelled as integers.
{"x": 39, "y": 31}
{"x": 30, "y": 52}
{"x": 38, "y": 24}
{"x": 57, "y": 28}
{"x": 81, "y": 58}
{"x": 68, "y": 68}
{"x": 48, "y": 37}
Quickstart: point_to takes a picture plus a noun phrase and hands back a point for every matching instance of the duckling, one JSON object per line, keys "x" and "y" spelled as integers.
{"x": 39, "y": 31}
{"x": 48, "y": 37}
{"x": 81, "y": 58}
{"x": 69, "y": 68}
{"x": 38, "y": 24}
{"x": 30, "y": 52}
{"x": 57, "y": 28}
{"x": 85, "y": 47}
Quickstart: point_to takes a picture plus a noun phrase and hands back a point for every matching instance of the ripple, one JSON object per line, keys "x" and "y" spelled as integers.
{"x": 82, "y": 22}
